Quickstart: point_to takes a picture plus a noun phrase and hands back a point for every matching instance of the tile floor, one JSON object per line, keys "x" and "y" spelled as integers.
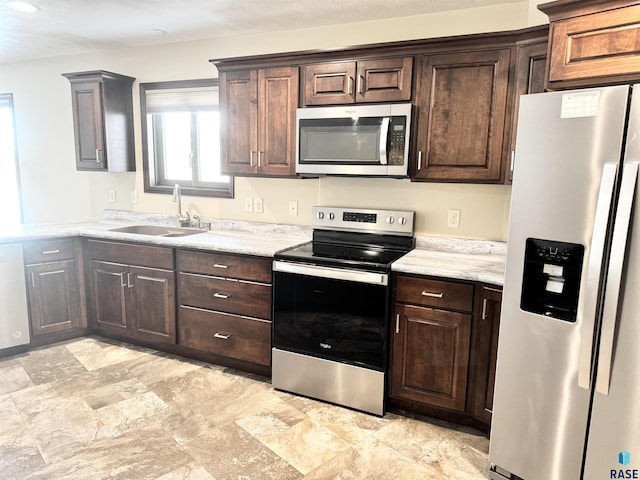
{"x": 93, "y": 408}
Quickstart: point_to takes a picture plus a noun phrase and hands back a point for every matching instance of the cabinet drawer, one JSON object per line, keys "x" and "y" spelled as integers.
{"x": 42, "y": 251}
{"x": 225, "y": 295}
{"x": 243, "y": 338}
{"x": 132, "y": 254}
{"x": 434, "y": 293}
{"x": 223, "y": 265}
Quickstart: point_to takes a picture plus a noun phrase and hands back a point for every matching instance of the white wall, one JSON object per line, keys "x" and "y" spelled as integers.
{"x": 54, "y": 192}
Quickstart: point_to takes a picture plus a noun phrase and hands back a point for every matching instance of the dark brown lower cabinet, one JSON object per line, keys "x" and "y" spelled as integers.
{"x": 55, "y": 288}
{"x": 431, "y": 356}
{"x": 444, "y": 346}
{"x": 132, "y": 300}
{"x": 225, "y": 306}
{"x": 54, "y": 299}
{"x": 486, "y": 352}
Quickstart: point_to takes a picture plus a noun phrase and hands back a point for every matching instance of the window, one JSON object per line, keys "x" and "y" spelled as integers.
{"x": 181, "y": 138}
{"x": 10, "y": 191}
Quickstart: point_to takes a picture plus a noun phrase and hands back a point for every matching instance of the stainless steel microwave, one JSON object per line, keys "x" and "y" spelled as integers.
{"x": 366, "y": 140}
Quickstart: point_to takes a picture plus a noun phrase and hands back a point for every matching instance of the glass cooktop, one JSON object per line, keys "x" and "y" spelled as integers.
{"x": 353, "y": 250}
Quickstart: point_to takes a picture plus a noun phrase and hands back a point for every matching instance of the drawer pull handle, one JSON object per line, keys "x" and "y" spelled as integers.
{"x": 219, "y": 265}
{"x": 433, "y": 295}
{"x": 221, "y": 295}
{"x": 49, "y": 252}
{"x": 484, "y": 309}
{"x": 223, "y": 336}
{"x": 397, "y": 323}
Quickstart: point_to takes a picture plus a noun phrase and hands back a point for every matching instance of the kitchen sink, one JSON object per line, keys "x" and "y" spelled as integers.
{"x": 157, "y": 231}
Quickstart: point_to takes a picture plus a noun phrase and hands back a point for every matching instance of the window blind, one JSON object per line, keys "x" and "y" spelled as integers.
{"x": 192, "y": 99}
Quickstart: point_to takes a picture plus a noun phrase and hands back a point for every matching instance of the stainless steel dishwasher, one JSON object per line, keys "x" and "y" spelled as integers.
{"x": 14, "y": 316}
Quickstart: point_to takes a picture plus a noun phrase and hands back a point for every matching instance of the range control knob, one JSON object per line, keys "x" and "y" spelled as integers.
{"x": 320, "y": 215}
{"x": 402, "y": 220}
{"x": 390, "y": 219}
{"x": 331, "y": 216}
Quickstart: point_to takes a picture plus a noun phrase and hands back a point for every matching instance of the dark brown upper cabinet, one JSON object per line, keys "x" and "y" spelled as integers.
{"x": 258, "y": 121}
{"x": 462, "y": 107}
{"x": 530, "y": 71}
{"x": 592, "y": 42}
{"x": 103, "y": 121}
{"x": 361, "y": 81}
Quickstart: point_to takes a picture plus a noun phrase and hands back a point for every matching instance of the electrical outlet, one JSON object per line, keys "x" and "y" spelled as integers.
{"x": 258, "y": 205}
{"x": 134, "y": 196}
{"x": 293, "y": 208}
{"x": 112, "y": 196}
{"x": 248, "y": 204}
{"x": 453, "y": 218}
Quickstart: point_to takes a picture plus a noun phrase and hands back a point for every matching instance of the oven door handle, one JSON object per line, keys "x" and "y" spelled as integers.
{"x": 358, "y": 276}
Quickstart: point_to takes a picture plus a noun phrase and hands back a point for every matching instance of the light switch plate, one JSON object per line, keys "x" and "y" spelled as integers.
{"x": 248, "y": 204}
{"x": 258, "y": 206}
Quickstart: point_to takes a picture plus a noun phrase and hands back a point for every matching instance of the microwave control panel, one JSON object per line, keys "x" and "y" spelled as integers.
{"x": 397, "y": 140}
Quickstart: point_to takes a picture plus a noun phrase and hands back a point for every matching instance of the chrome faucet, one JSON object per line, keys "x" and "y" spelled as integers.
{"x": 183, "y": 220}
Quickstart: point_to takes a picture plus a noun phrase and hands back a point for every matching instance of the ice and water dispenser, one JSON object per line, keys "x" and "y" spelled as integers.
{"x": 551, "y": 281}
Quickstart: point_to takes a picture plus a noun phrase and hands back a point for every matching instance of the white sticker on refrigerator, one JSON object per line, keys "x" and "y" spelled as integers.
{"x": 580, "y": 104}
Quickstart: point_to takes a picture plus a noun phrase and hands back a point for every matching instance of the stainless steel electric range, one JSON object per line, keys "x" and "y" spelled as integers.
{"x": 331, "y": 306}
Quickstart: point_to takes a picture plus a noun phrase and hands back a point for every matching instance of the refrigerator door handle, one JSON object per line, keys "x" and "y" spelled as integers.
{"x": 594, "y": 272}
{"x": 614, "y": 275}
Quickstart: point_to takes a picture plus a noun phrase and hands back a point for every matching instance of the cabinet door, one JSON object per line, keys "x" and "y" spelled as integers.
{"x": 329, "y": 83}
{"x": 53, "y": 297}
{"x": 461, "y": 102}
{"x": 152, "y": 304}
{"x": 384, "y": 80}
{"x": 486, "y": 353}
{"x": 593, "y": 48}
{"x": 107, "y": 297}
{"x": 239, "y": 122}
{"x": 530, "y": 71}
{"x": 277, "y": 103}
{"x": 88, "y": 125}
{"x": 430, "y": 356}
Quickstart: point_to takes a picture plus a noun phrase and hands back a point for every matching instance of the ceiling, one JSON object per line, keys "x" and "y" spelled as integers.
{"x": 65, "y": 27}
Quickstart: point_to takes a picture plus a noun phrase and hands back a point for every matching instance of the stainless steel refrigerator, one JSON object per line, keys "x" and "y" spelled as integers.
{"x": 567, "y": 394}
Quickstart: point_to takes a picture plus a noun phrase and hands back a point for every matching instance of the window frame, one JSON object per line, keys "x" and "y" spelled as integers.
{"x": 198, "y": 191}
{"x": 7, "y": 100}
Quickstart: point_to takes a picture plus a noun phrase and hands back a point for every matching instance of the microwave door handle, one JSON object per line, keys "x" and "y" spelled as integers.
{"x": 384, "y": 134}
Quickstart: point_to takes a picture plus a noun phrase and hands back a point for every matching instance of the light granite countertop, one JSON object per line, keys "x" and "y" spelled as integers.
{"x": 474, "y": 260}
{"x": 248, "y": 238}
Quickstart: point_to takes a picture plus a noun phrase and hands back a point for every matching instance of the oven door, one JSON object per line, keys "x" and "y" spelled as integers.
{"x": 331, "y": 313}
